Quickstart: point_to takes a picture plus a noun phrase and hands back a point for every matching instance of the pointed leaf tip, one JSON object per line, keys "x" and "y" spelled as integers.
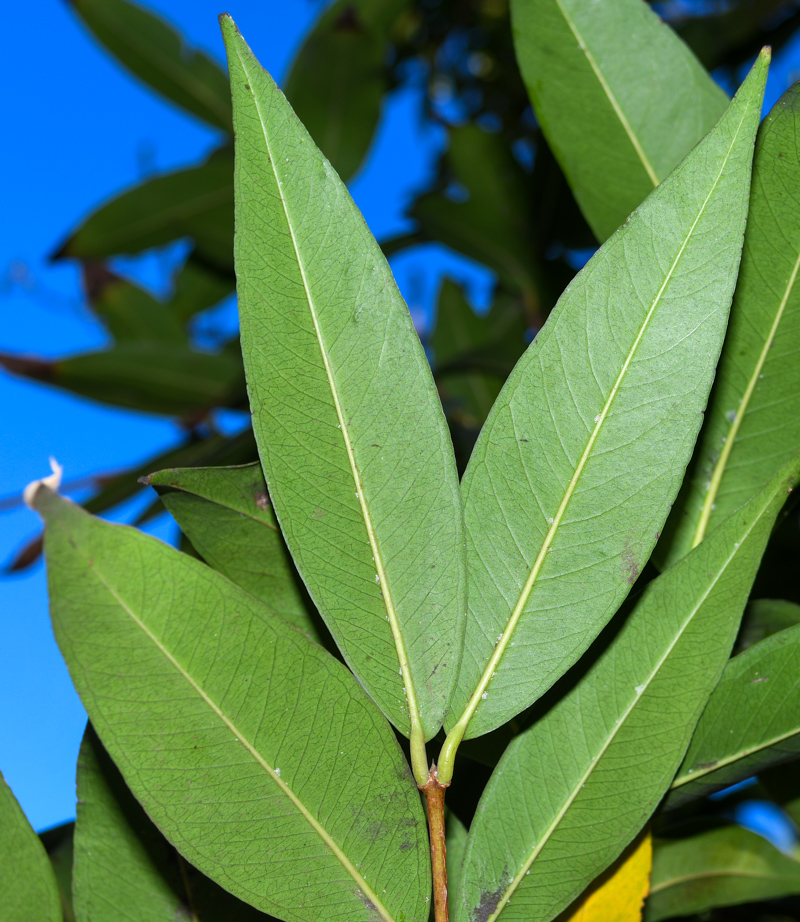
{"x": 52, "y": 482}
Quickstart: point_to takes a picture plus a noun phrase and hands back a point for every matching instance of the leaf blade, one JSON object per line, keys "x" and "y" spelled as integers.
{"x": 374, "y": 524}
{"x": 252, "y": 703}
{"x": 569, "y": 483}
{"x": 596, "y": 104}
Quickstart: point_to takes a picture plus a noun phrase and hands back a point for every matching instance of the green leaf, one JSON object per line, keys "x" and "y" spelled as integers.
{"x": 198, "y": 286}
{"x": 752, "y": 424}
{"x": 27, "y": 882}
{"x": 751, "y": 721}
{"x": 130, "y": 313}
{"x": 196, "y": 203}
{"x": 124, "y": 867}
{"x": 350, "y": 429}
{"x": 474, "y": 353}
{"x": 575, "y": 788}
{"x": 152, "y": 377}
{"x": 765, "y": 617}
{"x": 456, "y": 843}
{"x": 240, "y": 738}
{"x": 489, "y": 220}
{"x": 58, "y": 843}
{"x": 620, "y": 98}
{"x": 227, "y": 514}
{"x": 584, "y": 450}
{"x": 338, "y": 80}
{"x": 159, "y": 56}
{"x": 716, "y": 867}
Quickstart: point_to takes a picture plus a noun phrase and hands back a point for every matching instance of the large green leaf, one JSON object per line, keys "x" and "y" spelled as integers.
{"x": 338, "y": 80}
{"x": 489, "y": 220}
{"x": 350, "y": 429}
{"x": 474, "y": 354}
{"x": 227, "y": 515}
{"x": 751, "y": 721}
{"x": 153, "y": 377}
{"x": 27, "y": 883}
{"x": 154, "y": 52}
{"x": 575, "y": 788}
{"x": 125, "y": 868}
{"x": 716, "y": 867}
{"x": 585, "y": 448}
{"x": 752, "y": 424}
{"x": 241, "y": 739}
{"x": 620, "y": 98}
{"x": 196, "y": 203}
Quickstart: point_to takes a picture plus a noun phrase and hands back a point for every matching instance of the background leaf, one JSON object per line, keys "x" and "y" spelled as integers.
{"x": 584, "y": 450}
{"x": 159, "y": 56}
{"x": 456, "y": 843}
{"x": 572, "y": 791}
{"x": 763, "y": 618}
{"x": 338, "y": 80}
{"x": 752, "y": 424}
{"x": 237, "y": 735}
{"x": 350, "y": 429}
{"x": 58, "y": 843}
{"x": 720, "y": 866}
{"x": 125, "y": 868}
{"x": 752, "y": 719}
{"x": 196, "y": 203}
{"x": 620, "y": 98}
{"x": 618, "y": 893}
{"x": 26, "y": 877}
{"x": 227, "y": 514}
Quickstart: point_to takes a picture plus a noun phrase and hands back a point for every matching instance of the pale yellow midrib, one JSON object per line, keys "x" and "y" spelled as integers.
{"x": 651, "y": 173}
{"x": 527, "y": 589}
{"x": 722, "y": 462}
{"x": 397, "y": 635}
{"x": 621, "y": 722}
{"x": 250, "y": 747}
{"x": 729, "y": 760}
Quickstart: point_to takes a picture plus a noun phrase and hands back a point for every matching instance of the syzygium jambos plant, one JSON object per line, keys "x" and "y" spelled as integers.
{"x": 366, "y": 628}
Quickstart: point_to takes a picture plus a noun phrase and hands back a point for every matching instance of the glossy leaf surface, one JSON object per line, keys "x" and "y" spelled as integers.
{"x": 573, "y": 473}
{"x": 620, "y": 98}
{"x": 717, "y": 867}
{"x": 125, "y": 868}
{"x": 752, "y": 424}
{"x": 350, "y": 429}
{"x": 196, "y": 203}
{"x": 158, "y": 55}
{"x": 752, "y": 719}
{"x": 573, "y": 790}
{"x": 338, "y": 80}
{"x": 27, "y": 883}
{"x": 237, "y": 735}
{"x": 618, "y": 894}
{"x": 227, "y": 515}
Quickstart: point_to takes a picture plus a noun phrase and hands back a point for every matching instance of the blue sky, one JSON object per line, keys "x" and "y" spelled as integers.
{"x": 79, "y": 130}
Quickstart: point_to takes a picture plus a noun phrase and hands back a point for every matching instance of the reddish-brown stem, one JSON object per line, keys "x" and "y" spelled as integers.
{"x": 434, "y": 790}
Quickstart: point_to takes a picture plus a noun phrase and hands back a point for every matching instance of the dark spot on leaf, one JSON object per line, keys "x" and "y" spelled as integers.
{"x": 523, "y": 440}
{"x": 405, "y": 846}
{"x": 488, "y": 904}
{"x": 630, "y": 566}
{"x": 348, "y": 21}
{"x": 262, "y": 499}
{"x": 369, "y": 904}
{"x": 317, "y": 514}
{"x": 705, "y": 765}
{"x": 761, "y": 678}
{"x": 247, "y": 86}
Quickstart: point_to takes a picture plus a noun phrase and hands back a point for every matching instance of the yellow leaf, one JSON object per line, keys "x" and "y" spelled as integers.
{"x": 617, "y": 895}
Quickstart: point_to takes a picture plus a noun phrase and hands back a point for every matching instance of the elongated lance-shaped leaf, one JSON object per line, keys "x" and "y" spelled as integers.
{"x": 27, "y": 883}
{"x": 196, "y": 203}
{"x": 227, "y": 515}
{"x": 584, "y": 450}
{"x": 574, "y": 789}
{"x": 157, "y": 54}
{"x": 752, "y": 424}
{"x": 349, "y": 426}
{"x": 751, "y": 721}
{"x": 620, "y": 98}
{"x": 124, "y": 867}
{"x": 242, "y": 739}
{"x": 715, "y": 867}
